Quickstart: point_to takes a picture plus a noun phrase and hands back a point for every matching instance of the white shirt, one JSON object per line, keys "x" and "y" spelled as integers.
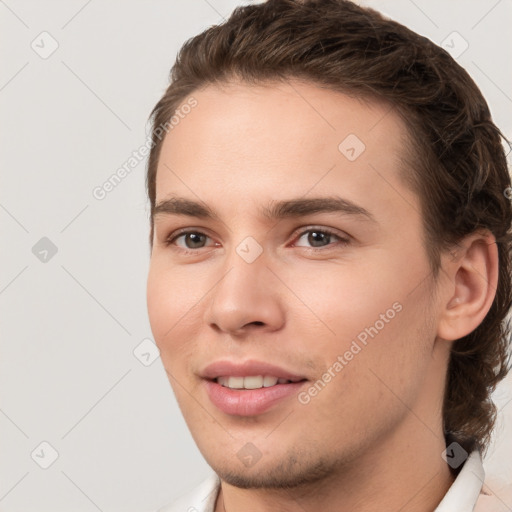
{"x": 466, "y": 494}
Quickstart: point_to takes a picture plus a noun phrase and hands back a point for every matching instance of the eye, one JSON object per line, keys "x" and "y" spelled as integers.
{"x": 189, "y": 240}
{"x": 318, "y": 238}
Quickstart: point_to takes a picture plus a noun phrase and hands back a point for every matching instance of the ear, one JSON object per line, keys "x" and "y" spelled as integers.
{"x": 470, "y": 284}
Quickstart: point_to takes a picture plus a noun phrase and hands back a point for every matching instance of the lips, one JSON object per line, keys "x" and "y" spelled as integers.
{"x": 232, "y": 387}
{"x": 247, "y": 369}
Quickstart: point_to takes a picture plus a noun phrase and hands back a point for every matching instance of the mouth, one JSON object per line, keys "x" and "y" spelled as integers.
{"x": 249, "y": 388}
{"x": 253, "y": 382}
{"x": 243, "y": 401}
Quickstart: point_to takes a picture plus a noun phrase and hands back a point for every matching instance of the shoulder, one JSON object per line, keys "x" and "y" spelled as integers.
{"x": 200, "y": 499}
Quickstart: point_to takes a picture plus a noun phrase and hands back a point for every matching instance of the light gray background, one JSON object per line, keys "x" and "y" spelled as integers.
{"x": 68, "y": 374}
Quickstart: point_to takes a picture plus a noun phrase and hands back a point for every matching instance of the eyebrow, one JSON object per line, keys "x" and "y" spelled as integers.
{"x": 290, "y": 208}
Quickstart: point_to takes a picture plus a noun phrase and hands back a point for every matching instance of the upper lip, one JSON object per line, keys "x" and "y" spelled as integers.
{"x": 247, "y": 369}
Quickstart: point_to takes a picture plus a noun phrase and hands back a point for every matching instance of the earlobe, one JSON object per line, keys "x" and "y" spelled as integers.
{"x": 472, "y": 278}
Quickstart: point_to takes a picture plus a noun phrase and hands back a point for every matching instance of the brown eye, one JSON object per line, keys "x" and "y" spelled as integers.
{"x": 194, "y": 240}
{"x": 188, "y": 240}
{"x": 318, "y": 238}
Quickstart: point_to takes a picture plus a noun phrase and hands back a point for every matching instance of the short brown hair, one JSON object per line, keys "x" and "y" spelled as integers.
{"x": 455, "y": 160}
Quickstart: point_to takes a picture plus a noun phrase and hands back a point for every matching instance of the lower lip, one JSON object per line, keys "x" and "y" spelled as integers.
{"x": 249, "y": 402}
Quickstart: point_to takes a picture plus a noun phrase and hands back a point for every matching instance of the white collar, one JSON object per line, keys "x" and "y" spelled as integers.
{"x": 463, "y": 493}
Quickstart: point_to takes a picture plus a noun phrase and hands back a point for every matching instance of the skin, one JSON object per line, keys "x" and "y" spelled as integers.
{"x": 372, "y": 438}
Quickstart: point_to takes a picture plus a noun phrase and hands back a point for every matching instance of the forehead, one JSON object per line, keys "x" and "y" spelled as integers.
{"x": 281, "y": 139}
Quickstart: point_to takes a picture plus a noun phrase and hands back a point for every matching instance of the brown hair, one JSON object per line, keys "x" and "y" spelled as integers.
{"x": 454, "y": 161}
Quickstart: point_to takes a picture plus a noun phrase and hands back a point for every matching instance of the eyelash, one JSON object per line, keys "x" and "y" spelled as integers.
{"x": 341, "y": 240}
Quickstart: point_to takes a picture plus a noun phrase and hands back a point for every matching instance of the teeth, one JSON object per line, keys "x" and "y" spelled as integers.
{"x": 270, "y": 381}
{"x": 252, "y": 382}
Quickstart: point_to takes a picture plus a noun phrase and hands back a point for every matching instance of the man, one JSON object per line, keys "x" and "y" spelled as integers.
{"x": 330, "y": 263}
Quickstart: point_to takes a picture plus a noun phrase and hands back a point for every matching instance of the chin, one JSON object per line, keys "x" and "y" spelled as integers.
{"x": 290, "y": 472}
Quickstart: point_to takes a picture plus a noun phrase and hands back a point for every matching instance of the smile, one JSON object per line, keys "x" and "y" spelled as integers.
{"x": 252, "y": 382}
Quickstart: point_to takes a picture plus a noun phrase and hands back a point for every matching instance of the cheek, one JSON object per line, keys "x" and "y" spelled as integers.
{"x": 342, "y": 301}
{"x": 374, "y": 382}
{"x": 374, "y": 312}
{"x": 158, "y": 296}
{"x": 385, "y": 357}
{"x": 172, "y": 311}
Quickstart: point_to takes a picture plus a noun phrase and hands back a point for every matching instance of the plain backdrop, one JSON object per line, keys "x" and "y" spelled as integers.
{"x": 77, "y": 82}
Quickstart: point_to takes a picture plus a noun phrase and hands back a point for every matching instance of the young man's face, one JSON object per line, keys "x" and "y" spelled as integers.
{"x": 352, "y": 313}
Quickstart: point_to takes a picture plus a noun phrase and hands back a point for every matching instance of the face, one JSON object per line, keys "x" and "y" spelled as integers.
{"x": 310, "y": 267}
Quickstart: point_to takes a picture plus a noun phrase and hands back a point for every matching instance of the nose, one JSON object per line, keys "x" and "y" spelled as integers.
{"x": 246, "y": 300}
